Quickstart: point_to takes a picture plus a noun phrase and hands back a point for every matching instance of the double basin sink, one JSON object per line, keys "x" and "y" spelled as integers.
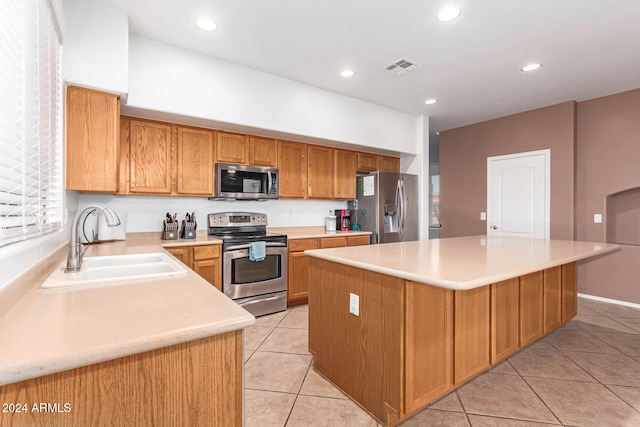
{"x": 116, "y": 269}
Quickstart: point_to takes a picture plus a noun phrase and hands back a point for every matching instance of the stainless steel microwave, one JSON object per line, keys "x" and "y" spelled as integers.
{"x": 245, "y": 182}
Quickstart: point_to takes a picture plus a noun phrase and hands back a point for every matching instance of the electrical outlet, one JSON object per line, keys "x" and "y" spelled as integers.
{"x": 597, "y": 218}
{"x": 290, "y": 212}
{"x": 354, "y": 304}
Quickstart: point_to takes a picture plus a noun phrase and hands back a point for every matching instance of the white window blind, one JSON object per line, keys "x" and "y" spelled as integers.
{"x": 30, "y": 121}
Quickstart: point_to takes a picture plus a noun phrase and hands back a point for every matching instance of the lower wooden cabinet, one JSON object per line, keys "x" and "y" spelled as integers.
{"x": 552, "y": 288}
{"x": 569, "y": 293}
{"x": 204, "y": 260}
{"x": 471, "y": 333}
{"x": 298, "y": 268}
{"x": 505, "y": 319}
{"x": 531, "y": 308}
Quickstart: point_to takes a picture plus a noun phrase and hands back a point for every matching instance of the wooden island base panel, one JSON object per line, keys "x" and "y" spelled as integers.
{"x": 411, "y": 342}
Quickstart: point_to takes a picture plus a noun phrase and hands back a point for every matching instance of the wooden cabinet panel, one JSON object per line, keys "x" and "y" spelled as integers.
{"x": 292, "y": 166}
{"x": 471, "y": 333}
{"x": 552, "y": 305}
{"x": 531, "y": 308}
{"x": 333, "y": 242}
{"x": 183, "y": 254}
{"x": 358, "y": 240}
{"x": 150, "y": 157}
{"x": 298, "y": 279}
{"x": 263, "y": 152}
{"x": 195, "y": 161}
{"x": 505, "y": 319}
{"x": 569, "y": 292}
{"x": 93, "y": 120}
{"x": 204, "y": 260}
{"x": 206, "y": 252}
{"x": 303, "y": 244}
{"x": 320, "y": 172}
{"x": 367, "y": 162}
{"x": 211, "y": 270}
{"x": 389, "y": 164}
{"x": 232, "y": 148}
{"x": 345, "y": 166}
{"x": 429, "y": 344}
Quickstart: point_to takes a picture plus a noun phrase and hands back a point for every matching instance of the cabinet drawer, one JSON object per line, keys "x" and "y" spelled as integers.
{"x": 333, "y": 242}
{"x": 358, "y": 240}
{"x": 206, "y": 252}
{"x": 299, "y": 245}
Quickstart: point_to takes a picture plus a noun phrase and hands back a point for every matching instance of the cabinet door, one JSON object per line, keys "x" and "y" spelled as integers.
{"x": 211, "y": 270}
{"x": 505, "y": 319}
{"x": 531, "y": 308}
{"x": 262, "y": 152}
{"x": 552, "y": 304}
{"x": 150, "y": 157}
{"x": 345, "y": 165}
{"x": 93, "y": 120}
{"x": 320, "y": 176}
{"x": 292, "y": 166}
{"x": 569, "y": 292}
{"x": 184, "y": 254}
{"x": 333, "y": 242}
{"x": 389, "y": 164}
{"x": 298, "y": 279}
{"x": 232, "y": 148}
{"x": 195, "y": 161}
{"x": 358, "y": 240}
{"x": 367, "y": 162}
{"x": 471, "y": 333}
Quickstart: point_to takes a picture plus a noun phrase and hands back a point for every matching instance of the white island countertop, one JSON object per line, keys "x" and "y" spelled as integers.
{"x": 53, "y": 330}
{"x": 462, "y": 263}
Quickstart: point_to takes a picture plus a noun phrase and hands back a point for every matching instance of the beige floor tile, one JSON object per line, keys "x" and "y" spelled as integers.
{"x": 484, "y": 421}
{"x": 304, "y": 307}
{"x": 630, "y": 322}
{"x": 267, "y": 408}
{"x": 584, "y": 404}
{"x": 287, "y": 341}
{"x": 599, "y": 323}
{"x": 322, "y": 411}
{"x": 631, "y": 395}
{"x": 614, "y": 369}
{"x": 450, "y": 402}
{"x": 255, "y": 335}
{"x": 436, "y": 418}
{"x": 503, "y": 396}
{"x": 504, "y": 368}
{"x": 270, "y": 319}
{"x": 247, "y": 354}
{"x": 575, "y": 340}
{"x": 547, "y": 363}
{"x": 626, "y": 343}
{"x": 583, "y": 309}
{"x": 276, "y": 371}
{"x": 296, "y": 319}
{"x": 315, "y": 385}
{"x": 612, "y": 310}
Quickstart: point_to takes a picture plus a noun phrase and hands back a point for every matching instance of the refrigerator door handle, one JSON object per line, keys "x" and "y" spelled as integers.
{"x": 403, "y": 201}
{"x": 400, "y": 207}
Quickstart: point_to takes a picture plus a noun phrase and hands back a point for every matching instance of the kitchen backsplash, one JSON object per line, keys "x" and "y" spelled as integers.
{"x": 146, "y": 213}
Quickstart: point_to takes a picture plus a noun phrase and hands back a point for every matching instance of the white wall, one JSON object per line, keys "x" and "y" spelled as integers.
{"x": 145, "y": 213}
{"x": 173, "y": 80}
{"x": 96, "y": 47}
{"x": 419, "y": 165}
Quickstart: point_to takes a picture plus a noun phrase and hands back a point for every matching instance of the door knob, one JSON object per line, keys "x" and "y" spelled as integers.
{"x": 495, "y": 227}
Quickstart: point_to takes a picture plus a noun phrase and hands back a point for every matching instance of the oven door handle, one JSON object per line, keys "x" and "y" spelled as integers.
{"x": 248, "y": 245}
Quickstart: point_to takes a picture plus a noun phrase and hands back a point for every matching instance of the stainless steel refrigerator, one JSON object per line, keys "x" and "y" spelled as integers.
{"x": 387, "y": 205}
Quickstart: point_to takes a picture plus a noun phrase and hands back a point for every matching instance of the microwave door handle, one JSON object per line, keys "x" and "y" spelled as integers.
{"x": 269, "y": 182}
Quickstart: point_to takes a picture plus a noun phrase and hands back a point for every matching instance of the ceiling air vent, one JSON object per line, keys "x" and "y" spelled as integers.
{"x": 402, "y": 66}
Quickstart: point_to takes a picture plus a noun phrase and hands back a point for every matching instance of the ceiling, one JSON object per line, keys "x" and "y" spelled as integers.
{"x": 588, "y": 48}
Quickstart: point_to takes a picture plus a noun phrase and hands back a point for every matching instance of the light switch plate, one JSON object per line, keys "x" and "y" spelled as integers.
{"x": 597, "y": 218}
{"x": 483, "y": 216}
{"x": 354, "y": 304}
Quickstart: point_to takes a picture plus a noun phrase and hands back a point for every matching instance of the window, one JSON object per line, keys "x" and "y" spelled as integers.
{"x": 30, "y": 121}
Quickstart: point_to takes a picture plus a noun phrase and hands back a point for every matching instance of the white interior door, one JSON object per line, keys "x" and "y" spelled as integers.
{"x": 518, "y": 199}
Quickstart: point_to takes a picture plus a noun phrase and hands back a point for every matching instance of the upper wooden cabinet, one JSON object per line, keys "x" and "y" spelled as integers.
{"x": 92, "y": 140}
{"x": 320, "y": 172}
{"x": 389, "y": 164}
{"x": 232, "y": 148}
{"x": 292, "y": 161}
{"x": 150, "y": 162}
{"x": 263, "y": 152}
{"x": 367, "y": 162}
{"x": 345, "y": 168}
{"x": 195, "y": 161}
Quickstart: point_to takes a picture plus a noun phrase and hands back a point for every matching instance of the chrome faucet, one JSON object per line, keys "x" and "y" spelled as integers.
{"x": 74, "y": 260}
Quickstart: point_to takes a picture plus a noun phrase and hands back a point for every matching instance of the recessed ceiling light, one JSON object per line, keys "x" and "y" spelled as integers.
{"x": 531, "y": 67}
{"x": 431, "y": 101}
{"x": 447, "y": 14}
{"x": 348, "y": 73}
{"x": 206, "y": 24}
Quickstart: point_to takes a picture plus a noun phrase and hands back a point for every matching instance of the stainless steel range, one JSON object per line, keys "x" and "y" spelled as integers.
{"x": 259, "y": 286}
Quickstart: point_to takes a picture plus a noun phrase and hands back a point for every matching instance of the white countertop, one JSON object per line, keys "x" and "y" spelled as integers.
{"x": 463, "y": 263}
{"x": 54, "y": 330}
{"x": 313, "y": 232}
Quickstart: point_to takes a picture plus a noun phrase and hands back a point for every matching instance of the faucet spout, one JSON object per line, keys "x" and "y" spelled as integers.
{"x": 74, "y": 260}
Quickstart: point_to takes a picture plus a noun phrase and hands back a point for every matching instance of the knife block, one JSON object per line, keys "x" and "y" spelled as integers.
{"x": 188, "y": 230}
{"x": 169, "y": 230}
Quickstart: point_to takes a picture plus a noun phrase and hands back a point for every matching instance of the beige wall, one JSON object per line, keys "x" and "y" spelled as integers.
{"x": 463, "y": 166}
{"x": 608, "y": 161}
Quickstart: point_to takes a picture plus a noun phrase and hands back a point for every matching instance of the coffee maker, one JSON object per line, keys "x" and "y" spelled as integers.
{"x": 343, "y": 219}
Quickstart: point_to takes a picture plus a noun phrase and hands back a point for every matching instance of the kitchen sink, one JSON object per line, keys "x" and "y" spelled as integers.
{"x": 116, "y": 269}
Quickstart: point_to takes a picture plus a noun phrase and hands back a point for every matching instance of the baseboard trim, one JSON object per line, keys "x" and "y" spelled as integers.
{"x": 609, "y": 300}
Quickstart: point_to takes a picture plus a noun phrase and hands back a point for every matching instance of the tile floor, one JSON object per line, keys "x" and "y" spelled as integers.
{"x": 586, "y": 373}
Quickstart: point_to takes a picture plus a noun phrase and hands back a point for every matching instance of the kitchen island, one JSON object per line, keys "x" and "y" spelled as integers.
{"x": 431, "y": 315}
